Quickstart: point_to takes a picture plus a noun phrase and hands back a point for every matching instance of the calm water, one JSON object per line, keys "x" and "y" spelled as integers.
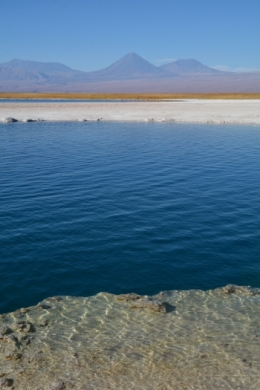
{"x": 89, "y": 207}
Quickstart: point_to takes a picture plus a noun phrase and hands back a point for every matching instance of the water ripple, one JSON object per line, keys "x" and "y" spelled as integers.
{"x": 89, "y": 207}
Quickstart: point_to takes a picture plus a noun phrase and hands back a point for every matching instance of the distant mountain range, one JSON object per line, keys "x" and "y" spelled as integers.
{"x": 131, "y": 66}
{"x": 185, "y": 67}
{"x": 131, "y": 72}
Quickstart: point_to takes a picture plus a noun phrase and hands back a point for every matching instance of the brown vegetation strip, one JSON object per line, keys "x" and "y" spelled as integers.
{"x": 126, "y": 96}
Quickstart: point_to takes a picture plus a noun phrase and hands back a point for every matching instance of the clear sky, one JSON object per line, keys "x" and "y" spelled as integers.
{"x": 91, "y": 34}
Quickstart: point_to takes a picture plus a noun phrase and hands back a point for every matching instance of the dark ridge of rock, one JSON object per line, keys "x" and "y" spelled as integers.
{"x": 53, "y": 299}
{"x": 23, "y": 326}
{"x": 10, "y": 120}
{"x": 24, "y": 311}
{"x": 11, "y": 340}
{"x": 43, "y": 323}
{"x": 233, "y": 289}
{"x": 165, "y": 294}
{"x": 42, "y": 306}
{"x": 5, "y": 330}
{"x": 153, "y": 305}
{"x": 145, "y": 302}
{"x": 13, "y": 355}
{"x": 128, "y": 297}
{"x": 6, "y": 382}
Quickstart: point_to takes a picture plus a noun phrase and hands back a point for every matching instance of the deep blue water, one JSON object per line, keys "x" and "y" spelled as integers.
{"x": 117, "y": 207}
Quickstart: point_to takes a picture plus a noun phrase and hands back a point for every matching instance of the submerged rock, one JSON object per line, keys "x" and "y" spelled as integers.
{"x": 153, "y": 305}
{"x": 6, "y": 382}
{"x": 11, "y": 339}
{"x": 141, "y": 302}
{"x": 128, "y": 297}
{"x": 24, "y": 311}
{"x": 54, "y": 299}
{"x": 13, "y": 355}
{"x": 23, "y": 326}
{"x": 5, "y": 330}
{"x": 43, "y": 306}
{"x": 233, "y": 289}
{"x": 57, "y": 386}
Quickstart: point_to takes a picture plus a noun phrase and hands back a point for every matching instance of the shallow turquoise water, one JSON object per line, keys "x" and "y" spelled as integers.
{"x": 89, "y": 207}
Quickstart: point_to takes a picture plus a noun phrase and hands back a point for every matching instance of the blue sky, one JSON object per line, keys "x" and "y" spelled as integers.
{"x": 91, "y": 34}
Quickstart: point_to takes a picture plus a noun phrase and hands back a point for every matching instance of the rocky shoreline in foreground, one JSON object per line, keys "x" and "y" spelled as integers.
{"x": 173, "y": 340}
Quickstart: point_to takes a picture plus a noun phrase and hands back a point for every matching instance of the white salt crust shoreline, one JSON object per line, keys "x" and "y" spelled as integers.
{"x": 187, "y": 110}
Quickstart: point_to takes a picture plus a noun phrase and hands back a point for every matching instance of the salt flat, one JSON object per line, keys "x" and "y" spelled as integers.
{"x": 188, "y": 110}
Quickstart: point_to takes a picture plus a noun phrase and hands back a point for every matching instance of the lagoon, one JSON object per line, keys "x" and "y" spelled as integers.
{"x": 168, "y": 211}
{"x": 90, "y": 207}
